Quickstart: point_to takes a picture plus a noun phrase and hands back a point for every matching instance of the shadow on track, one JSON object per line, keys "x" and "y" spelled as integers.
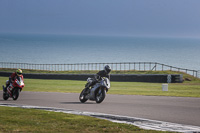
{"x": 5, "y": 100}
{"x": 76, "y": 103}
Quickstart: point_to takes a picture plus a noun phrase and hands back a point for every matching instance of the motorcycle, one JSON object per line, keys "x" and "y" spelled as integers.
{"x": 97, "y": 92}
{"x": 13, "y": 89}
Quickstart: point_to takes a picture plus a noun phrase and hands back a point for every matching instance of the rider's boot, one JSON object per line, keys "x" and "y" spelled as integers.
{"x": 4, "y": 88}
{"x": 7, "y": 84}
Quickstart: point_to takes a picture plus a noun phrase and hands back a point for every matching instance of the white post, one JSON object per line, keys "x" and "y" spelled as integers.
{"x": 164, "y": 87}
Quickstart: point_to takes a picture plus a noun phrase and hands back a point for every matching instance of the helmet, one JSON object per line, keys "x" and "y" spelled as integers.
{"x": 107, "y": 69}
{"x": 19, "y": 72}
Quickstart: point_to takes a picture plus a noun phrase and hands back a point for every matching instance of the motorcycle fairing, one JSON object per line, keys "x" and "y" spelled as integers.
{"x": 93, "y": 90}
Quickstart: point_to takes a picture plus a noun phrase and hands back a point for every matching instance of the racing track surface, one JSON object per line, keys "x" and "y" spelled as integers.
{"x": 181, "y": 110}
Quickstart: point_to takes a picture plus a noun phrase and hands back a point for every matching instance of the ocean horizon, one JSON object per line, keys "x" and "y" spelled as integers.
{"x": 69, "y": 49}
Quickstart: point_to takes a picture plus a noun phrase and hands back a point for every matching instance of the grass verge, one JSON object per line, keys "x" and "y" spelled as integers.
{"x": 32, "y": 120}
{"x": 189, "y": 88}
{"x": 186, "y": 89}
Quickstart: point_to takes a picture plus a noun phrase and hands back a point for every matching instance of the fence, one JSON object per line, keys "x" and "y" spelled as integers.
{"x": 121, "y": 66}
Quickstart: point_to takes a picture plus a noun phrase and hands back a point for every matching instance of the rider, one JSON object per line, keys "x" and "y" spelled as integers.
{"x": 13, "y": 76}
{"x": 97, "y": 77}
{"x": 103, "y": 73}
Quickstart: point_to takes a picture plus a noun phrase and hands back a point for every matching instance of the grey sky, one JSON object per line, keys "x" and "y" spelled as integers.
{"x": 104, "y": 17}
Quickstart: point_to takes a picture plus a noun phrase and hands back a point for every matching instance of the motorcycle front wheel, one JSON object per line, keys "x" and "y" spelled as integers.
{"x": 15, "y": 93}
{"x": 82, "y": 96}
{"x": 100, "y": 95}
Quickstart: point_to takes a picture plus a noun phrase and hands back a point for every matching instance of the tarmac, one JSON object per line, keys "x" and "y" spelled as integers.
{"x": 179, "y": 114}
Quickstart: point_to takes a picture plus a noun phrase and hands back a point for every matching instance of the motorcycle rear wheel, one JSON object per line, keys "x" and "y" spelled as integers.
{"x": 82, "y": 96}
{"x": 100, "y": 95}
{"x": 5, "y": 96}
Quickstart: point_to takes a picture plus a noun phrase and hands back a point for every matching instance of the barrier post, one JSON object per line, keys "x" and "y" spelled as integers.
{"x": 164, "y": 87}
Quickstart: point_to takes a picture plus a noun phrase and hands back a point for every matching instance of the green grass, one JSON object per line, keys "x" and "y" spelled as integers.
{"x": 186, "y": 89}
{"x": 32, "y": 120}
{"x": 155, "y": 89}
{"x": 50, "y": 72}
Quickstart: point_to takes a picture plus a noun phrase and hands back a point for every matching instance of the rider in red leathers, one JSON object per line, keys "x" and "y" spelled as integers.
{"x": 13, "y": 76}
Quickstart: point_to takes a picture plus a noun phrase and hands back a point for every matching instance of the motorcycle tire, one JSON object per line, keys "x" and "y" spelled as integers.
{"x": 82, "y": 97}
{"x": 5, "y": 96}
{"x": 16, "y": 94}
{"x": 100, "y": 95}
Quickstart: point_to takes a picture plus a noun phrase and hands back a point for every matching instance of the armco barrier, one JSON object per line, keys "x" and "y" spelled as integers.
{"x": 154, "y": 78}
{"x": 117, "y": 66}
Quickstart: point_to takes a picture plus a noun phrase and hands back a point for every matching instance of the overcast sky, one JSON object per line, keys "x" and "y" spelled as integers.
{"x": 102, "y": 17}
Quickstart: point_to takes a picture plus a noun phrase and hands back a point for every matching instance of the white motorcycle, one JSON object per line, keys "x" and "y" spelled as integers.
{"x": 97, "y": 92}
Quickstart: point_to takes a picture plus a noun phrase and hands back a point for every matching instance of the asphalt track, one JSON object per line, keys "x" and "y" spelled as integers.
{"x": 181, "y": 110}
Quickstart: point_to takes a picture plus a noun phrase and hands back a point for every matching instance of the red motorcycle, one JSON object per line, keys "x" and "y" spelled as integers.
{"x": 13, "y": 89}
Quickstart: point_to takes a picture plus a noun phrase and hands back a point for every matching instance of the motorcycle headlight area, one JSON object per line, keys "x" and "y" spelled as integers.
{"x": 89, "y": 80}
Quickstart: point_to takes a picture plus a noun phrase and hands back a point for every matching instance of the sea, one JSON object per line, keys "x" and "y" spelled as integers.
{"x": 69, "y": 49}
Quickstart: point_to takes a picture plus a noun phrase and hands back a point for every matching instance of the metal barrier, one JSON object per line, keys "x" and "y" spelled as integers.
{"x": 152, "y": 78}
{"x": 121, "y": 66}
